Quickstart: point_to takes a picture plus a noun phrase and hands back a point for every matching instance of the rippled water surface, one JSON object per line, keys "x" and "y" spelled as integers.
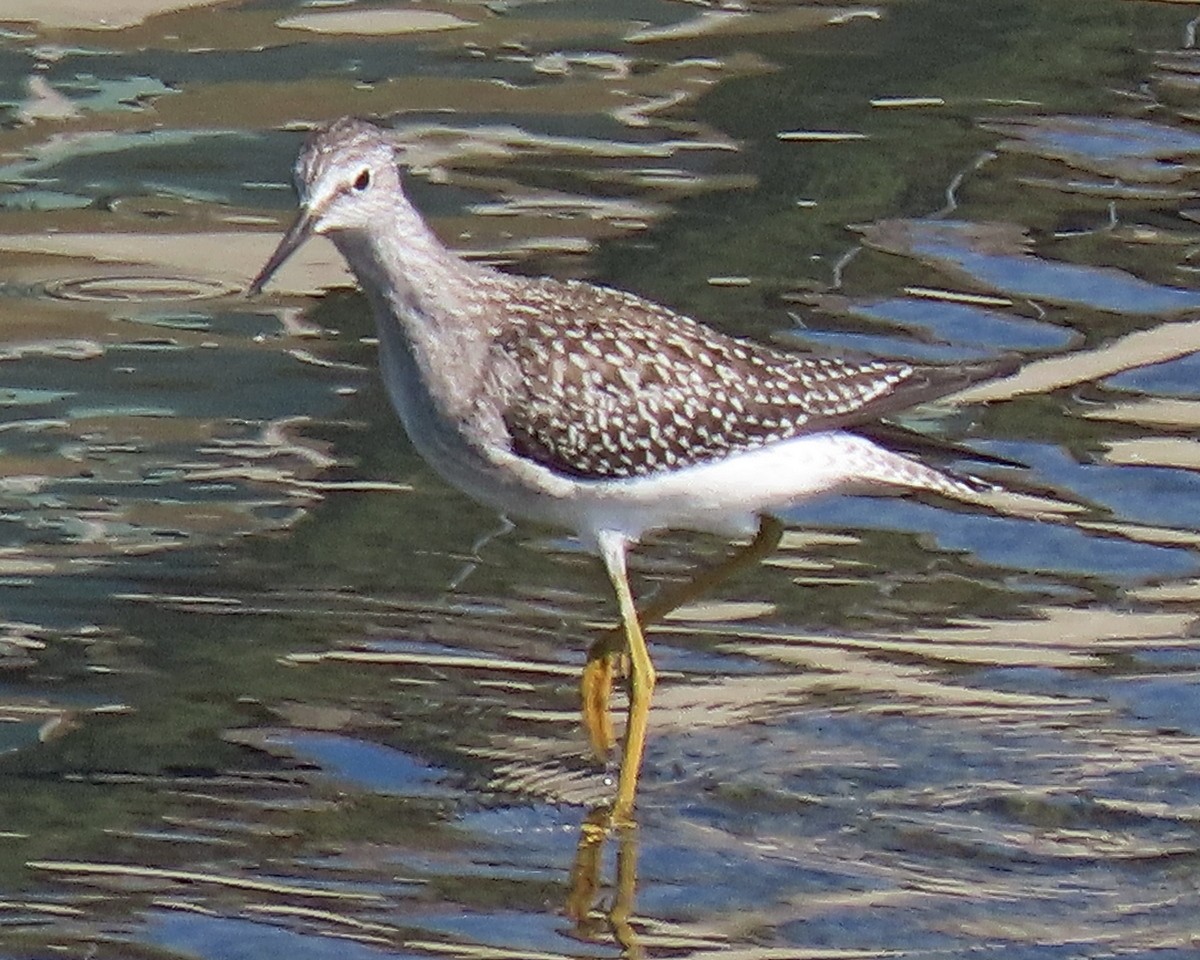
{"x": 270, "y": 688}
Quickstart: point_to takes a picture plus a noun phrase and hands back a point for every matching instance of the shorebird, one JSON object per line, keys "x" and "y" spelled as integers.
{"x": 596, "y": 410}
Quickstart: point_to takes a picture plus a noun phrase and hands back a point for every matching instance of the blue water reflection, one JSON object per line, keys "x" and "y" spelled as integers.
{"x": 233, "y": 938}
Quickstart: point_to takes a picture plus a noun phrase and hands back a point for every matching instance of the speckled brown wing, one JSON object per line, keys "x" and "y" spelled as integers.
{"x": 613, "y": 387}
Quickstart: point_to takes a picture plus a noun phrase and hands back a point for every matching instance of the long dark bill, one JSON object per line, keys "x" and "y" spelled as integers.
{"x": 297, "y": 233}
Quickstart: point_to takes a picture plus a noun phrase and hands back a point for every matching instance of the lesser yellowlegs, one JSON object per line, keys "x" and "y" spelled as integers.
{"x": 593, "y": 409}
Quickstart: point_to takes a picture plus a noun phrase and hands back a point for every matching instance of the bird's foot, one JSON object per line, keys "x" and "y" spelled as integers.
{"x": 596, "y": 691}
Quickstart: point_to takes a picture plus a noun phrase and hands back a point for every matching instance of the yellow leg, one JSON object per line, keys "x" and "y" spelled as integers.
{"x": 598, "y": 672}
{"x": 641, "y": 679}
{"x": 595, "y": 689}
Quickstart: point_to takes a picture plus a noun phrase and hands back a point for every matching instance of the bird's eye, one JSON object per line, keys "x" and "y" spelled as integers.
{"x": 362, "y": 181}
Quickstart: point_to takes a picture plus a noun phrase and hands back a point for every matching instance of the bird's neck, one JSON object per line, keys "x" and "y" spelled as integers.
{"x": 401, "y": 260}
{"x": 423, "y": 298}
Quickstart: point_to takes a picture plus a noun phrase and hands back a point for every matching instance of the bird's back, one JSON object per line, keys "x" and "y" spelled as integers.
{"x": 605, "y": 385}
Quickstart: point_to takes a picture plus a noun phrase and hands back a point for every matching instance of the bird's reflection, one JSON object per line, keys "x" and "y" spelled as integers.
{"x": 594, "y": 920}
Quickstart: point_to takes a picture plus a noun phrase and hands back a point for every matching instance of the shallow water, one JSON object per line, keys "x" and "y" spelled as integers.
{"x": 271, "y": 688}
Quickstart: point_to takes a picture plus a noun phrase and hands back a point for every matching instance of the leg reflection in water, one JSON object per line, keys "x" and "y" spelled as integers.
{"x": 591, "y": 921}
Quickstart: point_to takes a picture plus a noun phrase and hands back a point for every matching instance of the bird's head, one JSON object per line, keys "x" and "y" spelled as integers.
{"x": 346, "y": 177}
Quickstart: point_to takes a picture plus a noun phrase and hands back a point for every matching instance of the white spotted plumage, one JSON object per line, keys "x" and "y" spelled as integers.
{"x": 612, "y": 386}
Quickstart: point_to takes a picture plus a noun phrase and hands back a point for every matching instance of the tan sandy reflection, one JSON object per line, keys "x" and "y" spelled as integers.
{"x": 1168, "y": 341}
{"x": 375, "y": 22}
{"x": 94, "y": 14}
